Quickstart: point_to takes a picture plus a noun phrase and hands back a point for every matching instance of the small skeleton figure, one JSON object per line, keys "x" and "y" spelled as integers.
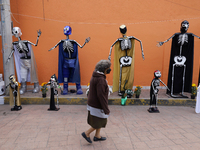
{"x": 124, "y": 68}
{"x": 54, "y": 84}
{"x": 25, "y": 61}
{"x": 14, "y": 94}
{"x": 154, "y": 91}
{"x": 181, "y": 61}
{"x": 68, "y": 65}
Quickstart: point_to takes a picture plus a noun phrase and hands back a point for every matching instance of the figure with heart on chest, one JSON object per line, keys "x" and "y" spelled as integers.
{"x": 124, "y": 56}
{"x": 181, "y": 62}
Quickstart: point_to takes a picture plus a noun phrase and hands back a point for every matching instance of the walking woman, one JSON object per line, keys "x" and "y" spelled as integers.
{"x": 97, "y": 104}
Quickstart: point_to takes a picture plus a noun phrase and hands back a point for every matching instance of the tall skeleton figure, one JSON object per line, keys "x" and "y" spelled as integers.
{"x": 14, "y": 94}
{"x": 181, "y": 61}
{"x": 25, "y": 61}
{"x": 68, "y": 65}
{"x": 54, "y": 84}
{"x": 154, "y": 91}
{"x": 124, "y": 61}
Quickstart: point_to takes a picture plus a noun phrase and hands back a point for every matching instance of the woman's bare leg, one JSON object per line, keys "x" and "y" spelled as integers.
{"x": 90, "y": 130}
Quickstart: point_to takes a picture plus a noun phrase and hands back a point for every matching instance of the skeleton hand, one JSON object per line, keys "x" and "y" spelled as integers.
{"x": 156, "y": 91}
{"x": 39, "y": 33}
{"x": 160, "y": 44}
{"x": 51, "y": 49}
{"x": 87, "y": 40}
{"x": 109, "y": 57}
{"x": 7, "y": 60}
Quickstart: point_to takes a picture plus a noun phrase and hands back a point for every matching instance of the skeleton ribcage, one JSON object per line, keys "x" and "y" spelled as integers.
{"x": 125, "y": 44}
{"x": 156, "y": 83}
{"x": 21, "y": 47}
{"x": 68, "y": 47}
{"x": 182, "y": 39}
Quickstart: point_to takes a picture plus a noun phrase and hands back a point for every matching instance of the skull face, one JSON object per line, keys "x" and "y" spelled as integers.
{"x": 17, "y": 32}
{"x": 157, "y": 74}
{"x": 67, "y": 30}
{"x": 184, "y": 26}
{"x": 12, "y": 78}
{"x": 123, "y": 29}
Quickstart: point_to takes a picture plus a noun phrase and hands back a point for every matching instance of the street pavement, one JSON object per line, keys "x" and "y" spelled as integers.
{"x": 129, "y": 127}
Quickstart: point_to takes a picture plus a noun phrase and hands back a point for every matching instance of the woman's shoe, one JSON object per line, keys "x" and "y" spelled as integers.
{"x": 85, "y": 137}
{"x": 99, "y": 139}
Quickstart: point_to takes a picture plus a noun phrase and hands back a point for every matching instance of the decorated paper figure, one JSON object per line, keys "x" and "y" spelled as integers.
{"x": 14, "y": 94}
{"x": 154, "y": 91}
{"x": 181, "y": 61}
{"x": 68, "y": 65}
{"x": 54, "y": 84}
{"x": 25, "y": 61}
{"x": 124, "y": 61}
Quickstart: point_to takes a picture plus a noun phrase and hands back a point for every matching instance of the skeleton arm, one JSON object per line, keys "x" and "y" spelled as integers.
{"x": 39, "y": 33}
{"x": 86, "y": 41}
{"x": 196, "y": 36}
{"x": 140, "y": 45}
{"x": 109, "y": 56}
{"x": 56, "y": 45}
{"x": 161, "y": 43}
{"x": 10, "y": 55}
{"x": 164, "y": 85}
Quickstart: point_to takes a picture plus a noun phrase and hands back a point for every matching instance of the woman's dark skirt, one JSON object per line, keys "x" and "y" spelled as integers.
{"x": 96, "y": 122}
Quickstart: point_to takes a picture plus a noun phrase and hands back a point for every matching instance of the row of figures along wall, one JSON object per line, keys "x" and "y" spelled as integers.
{"x": 180, "y": 69}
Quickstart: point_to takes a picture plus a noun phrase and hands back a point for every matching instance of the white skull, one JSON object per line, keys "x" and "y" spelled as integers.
{"x": 17, "y": 31}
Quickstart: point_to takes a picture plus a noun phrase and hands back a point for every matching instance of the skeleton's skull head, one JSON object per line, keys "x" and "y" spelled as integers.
{"x": 123, "y": 29}
{"x": 157, "y": 74}
{"x": 12, "y": 78}
{"x": 17, "y": 32}
{"x": 184, "y": 26}
{"x": 67, "y": 30}
{"x": 53, "y": 78}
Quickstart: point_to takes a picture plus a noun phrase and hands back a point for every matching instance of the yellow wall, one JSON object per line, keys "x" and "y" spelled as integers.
{"x": 149, "y": 21}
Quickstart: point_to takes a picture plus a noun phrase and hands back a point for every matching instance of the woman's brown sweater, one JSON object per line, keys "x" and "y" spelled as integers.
{"x": 98, "y": 92}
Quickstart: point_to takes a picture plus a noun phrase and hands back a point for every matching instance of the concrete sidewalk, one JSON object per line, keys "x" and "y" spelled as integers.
{"x": 128, "y": 128}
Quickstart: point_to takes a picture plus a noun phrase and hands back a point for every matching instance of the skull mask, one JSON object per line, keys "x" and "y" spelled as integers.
{"x": 17, "y": 32}
{"x": 12, "y": 78}
{"x": 157, "y": 74}
{"x": 67, "y": 30}
{"x": 184, "y": 26}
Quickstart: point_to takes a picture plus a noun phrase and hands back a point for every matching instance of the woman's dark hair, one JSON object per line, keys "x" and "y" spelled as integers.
{"x": 102, "y": 65}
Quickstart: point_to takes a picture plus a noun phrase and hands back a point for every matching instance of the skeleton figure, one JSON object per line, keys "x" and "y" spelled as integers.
{"x": 25, "y": 61}
{"x": 154, "y": 91}
{"x": 14, "y": 94}
{"x": 68, "y": 66}
{"x": 54, "y": 84}
{"x": 182, "y": 61}
{"x": 124, "y": 51}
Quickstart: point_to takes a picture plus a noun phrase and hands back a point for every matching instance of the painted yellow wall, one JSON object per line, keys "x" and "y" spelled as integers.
{"x": 149, "y": 21}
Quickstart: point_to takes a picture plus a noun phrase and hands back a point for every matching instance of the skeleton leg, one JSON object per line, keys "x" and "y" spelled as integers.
{"x": 57, "y": 101}
{"x": 173, "y": 83}
{"x": 66, "y": 73}
{"x": 24, "y": 67}
{"x": 36, "y": 87}
{"x": 183, "y": 82}
{"x": 79, "y": 89}
{"x": 120, "y": 79}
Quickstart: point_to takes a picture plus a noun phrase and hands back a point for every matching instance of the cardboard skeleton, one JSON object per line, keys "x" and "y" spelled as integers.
{"x": 124, "y": 61}
{"x": 68, "y": 65}
{"x": 154, "y": 91}
{"x": 25, "y": 61}
{"x": 14, "y": 94}
{"x": 181, "y": 61}
{"x": 54, "y": 84}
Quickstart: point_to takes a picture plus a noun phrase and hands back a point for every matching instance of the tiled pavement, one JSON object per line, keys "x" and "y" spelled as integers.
{"x": 128, "y": 128}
